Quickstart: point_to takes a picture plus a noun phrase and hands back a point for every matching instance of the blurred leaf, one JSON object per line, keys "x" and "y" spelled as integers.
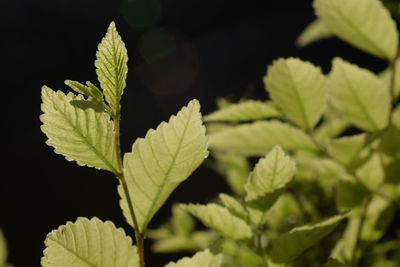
{"x": 203, "y": 258}
{"x": 314, "y": 32}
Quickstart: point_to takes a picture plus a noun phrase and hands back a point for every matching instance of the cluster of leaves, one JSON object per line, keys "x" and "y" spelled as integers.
{"x": 341, "y": 130}
{"x": 310, "y": 175}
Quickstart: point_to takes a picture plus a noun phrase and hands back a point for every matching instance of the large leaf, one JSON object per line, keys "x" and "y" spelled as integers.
{"x": 83, "y": 135}
{"x": 200, "y": 259}
{"x": 244, "y": 111}
{"x": 315, "y": 31}
{"x": 89, "y": 243}
{"x": 366, "y": 24}
{"x": 360, "y": 95}
{"x": 111, "y": 67}
{"x": 220, "y": 219}
{"x": 271, "y": 174}
{"x": 258, "y": 138}
{"x": 162, "y": 160}
{"x": 287, "y": 247}
{"x": 298, "y": 88}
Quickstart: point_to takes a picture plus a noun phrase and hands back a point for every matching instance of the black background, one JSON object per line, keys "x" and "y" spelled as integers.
{"x": 179, "y": 50}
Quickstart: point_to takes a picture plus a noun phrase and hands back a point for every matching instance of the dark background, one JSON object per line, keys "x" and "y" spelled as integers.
{"x": 178, "y": 49}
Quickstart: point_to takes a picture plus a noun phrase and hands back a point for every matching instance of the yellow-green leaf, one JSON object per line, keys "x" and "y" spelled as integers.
{"x": 111, "y": 67}
{"x": 359, "y": 95}
{"x": 314, "y": 31}
{"x": 162, "y": 160}
{"x": 83, "y": 135}
{"x": 200, "y": 259}
{"x": 366, "y": 24}
{"x": 258, "y": 138}
{"x": 89, "y": 243}
{"x": 298, "y": 88}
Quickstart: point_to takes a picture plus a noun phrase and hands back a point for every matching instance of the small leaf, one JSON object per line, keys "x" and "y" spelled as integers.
{"x": 220, "y": 219}
{"x": 372, "y": 174}
{"x": 346, "y": 149}
{"x": 162, "y": 160}
{"x": 360, "y": 95}
{"x": 298, "y": 88}
{"x": 234, "y": 206}
{"x": 287, "y": 247}
{"x": 345, "y": 247}
{"x": 182, "y": 223}
{"x": 366, "y": 24}
{"x": 258, "y": 138}
{"x": 111, "y": 67}
{"x": 83, "y": 135}
{"x": 271, "y": 174}
{"x": 89, "y": 243}
{"x": 88, "y": 90}
{"x": 200, "y": 259}
{"x": 244, "y": 111}
{"x": 315, "y": 31}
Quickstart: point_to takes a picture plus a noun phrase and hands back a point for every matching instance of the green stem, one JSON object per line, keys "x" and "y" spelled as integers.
{"x": 121, "y": 177}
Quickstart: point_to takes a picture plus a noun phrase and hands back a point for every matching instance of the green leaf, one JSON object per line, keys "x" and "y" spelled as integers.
{"x": 162, "y": 160}
{"x": 332, "y": 125}
{"x": 234, "y": 206}
{"x": 244, "y": 111}
{"x": 271, "y": 174}
{"x": 111, "y": 68}
{"x": 285, "y": 211}
{"x": 220, "y": 219}
{"x": 88, "y": 90}
{"x": 83, "y": 135}
{"x": 371, "y": 174}
{"x": 89, "y": 243}
{"x": 258, "y": 138}
{"x": 360, "y": 95}
{"x": 200, "y": 259}
{"x": 386, "y": 76}
{"x": 3, "y": 250}
{"x": 345, "y": 247}
{"x": 347, "y": 149}
{"x": 298, "y": 88}
{"x": 366, "y": 24}
{"x": 315, "y": 31}
{"x": 287, "y": 247}
{"x": 334, "y": 263}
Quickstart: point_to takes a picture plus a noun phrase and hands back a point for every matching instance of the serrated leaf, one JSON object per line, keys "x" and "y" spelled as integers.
{"x": 287, "y": 247}
{"x": 315, "y": 31}
{"x": 89, "y": 90}
{"x": 89, "y": 243}
{"x": 298, "y": 88}
{"x": 234, "y": 206}
{"x": 162, "y": 160}
{"x": 82, "y": 135}
{"x": 359, "y": 95}
{"x": 258, "y": 138}
{"x": 271, "y": 174}
{"x": 366, "y": 24}
{"x": 200, "y": 259}
{"x": 244, "y": 111}
{"x": 220, "y": 219}
{"x": 111, "y": 67}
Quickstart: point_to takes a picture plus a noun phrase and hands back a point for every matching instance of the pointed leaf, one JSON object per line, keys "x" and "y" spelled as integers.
{"x": 89, "y": 243}
{"x": 111, "y": 67}
{"x": 258, "y": 138}
{"x": 220, "y": 219}
{"x": 272, "y": 173}
{"x": 162, "y": 160}
{"x": 234, "y": 206}
{"x": 83, "y": 135}
{"x": 200, "y": 259}
{"x": 371, "y": 173}
{"x": 315, "y": 31}
{"x": 366, "y": 24}
{"x": 360, "y": 95}
{"x": 289, "y": 246}
{"x": 244, "y": 111}
{"x": 298, "y": 88}
{"x": 88, "y": 90}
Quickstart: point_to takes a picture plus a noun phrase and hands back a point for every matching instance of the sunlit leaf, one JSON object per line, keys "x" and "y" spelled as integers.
{"x": 366, "y": 24}
{"x": 83, "y": 135}
{"x": 314, "y": 31}
{"x": 200, "y": 259}
{"x": 89, "y": 243}
{"x": 162, "y": 160}
{"x": 359, "y": 95}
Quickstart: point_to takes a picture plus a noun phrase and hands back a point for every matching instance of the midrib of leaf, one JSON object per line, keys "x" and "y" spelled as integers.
{"x": 90, "y": 145}
{"x": 364, "y": 109}
{"x": 160, "y": 188}
{"x": 74, "y": 253}
{"x": 298, "y": 98}
{"x": 365, "y": 38}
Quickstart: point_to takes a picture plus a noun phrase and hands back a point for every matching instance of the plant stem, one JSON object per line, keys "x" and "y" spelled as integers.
{"x": 121, "y": 177}
{"x": 392, "y": 68}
